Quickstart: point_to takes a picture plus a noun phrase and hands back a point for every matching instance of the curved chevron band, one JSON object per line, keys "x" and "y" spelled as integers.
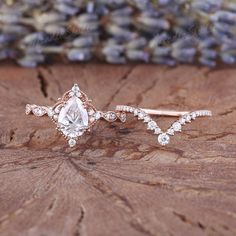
{"x": 163, "y": 137}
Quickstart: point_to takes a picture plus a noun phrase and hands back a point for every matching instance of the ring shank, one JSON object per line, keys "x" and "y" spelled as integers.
{"x": 156, "y": 112}
{"x": 164, "y": 112}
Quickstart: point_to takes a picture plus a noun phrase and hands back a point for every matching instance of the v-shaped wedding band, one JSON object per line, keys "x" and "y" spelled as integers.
{"x": 163, "y": 137}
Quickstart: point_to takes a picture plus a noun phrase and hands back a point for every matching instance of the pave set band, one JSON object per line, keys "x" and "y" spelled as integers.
{"x": 74, "y": 115}
{"x": 163, "y": 137}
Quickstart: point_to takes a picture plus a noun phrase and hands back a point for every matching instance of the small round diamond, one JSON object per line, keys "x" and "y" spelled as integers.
{"x": 152, "y": 125}
{"x": 135, "y": 112}
{"x": 182, "y": 121}
{"x": 38, "y": 111}
{"x": 170, "y": 131}
{"x": 131, "y": 109}
{"x": 92, "y": 119}
{"x": 141, "y": 115}
{"x": 97, "y": 115}
{"x": 147, "y": 119}
{"x": 72, "y": 142}
{"x": 27, "y": 109}
{"x": 194, "y": 116}
{"x": 176, "y": 126}
{"x": 157, "y": 130}
{"x": 112, "y": 116}
{"x": 163, "y": 139}
{"x": 50, "y": 113}
{"x": 91, "y": 112}
{"x": 75, "y": 88}
{"x": 188, "y": 118}
{"x": 55, "y": 117}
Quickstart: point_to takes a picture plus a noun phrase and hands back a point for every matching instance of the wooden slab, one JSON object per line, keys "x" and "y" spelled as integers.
{"x": 118, "y": 181}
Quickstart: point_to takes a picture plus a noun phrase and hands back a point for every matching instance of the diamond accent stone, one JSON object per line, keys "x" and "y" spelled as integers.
{"x": 193, "y": 116}
{"x": 157, "y": 130}
{"x": 75, "y": 88}
{"x": 152, "y": 125}
{"x": 75, "y": 91}
{"x": 91, "y": 112}
{"x": 50, "y": 113}
{"x": 73, "y": 118}
{"x": 135, "y": 112}
{"x": 27, "y": 109}
{"x": 141, "y": 115}
{"x": 97, "y": 115}
{"x": 112, "y": 116}
{"x": 188, "y": 118}
{"x": 147, "y": 119}
{"x": 182, "y": 121}
{"x": 55, "y": 117}
{"x": 92, "y": 119}
{"x": 131, "y": 109}
{"x": 176, "y": 126}
{"x": 163, "y": 139}
{"x": 72, "y": 142}
{"x": 170, "y": 131}
{"x": 38, "y": 111}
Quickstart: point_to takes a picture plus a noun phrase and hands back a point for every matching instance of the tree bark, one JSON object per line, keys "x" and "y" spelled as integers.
{"x": 118, "y": 180}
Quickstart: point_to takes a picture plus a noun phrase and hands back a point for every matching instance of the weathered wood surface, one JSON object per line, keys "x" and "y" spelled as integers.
{"x": 118, "y": 181}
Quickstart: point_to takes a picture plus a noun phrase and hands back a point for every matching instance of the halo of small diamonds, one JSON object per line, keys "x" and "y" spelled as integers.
{"x": 74, "y": 114}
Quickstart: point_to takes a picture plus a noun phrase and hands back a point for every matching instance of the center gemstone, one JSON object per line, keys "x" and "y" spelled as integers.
{"x": 73, "y": 118}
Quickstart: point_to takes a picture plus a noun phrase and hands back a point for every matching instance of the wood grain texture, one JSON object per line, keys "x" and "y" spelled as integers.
{"x": 118, "y": 181}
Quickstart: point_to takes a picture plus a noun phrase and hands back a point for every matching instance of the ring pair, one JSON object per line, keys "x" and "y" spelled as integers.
{"x": 74, "y": 115}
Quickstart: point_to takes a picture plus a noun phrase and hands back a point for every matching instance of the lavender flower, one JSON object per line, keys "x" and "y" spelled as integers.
{"x": 119, "y": 31}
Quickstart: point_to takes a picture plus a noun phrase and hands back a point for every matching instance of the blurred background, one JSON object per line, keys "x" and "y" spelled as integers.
{"x": 167, "y": 32}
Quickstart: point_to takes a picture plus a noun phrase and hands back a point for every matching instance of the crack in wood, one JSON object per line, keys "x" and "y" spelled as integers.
{"x": 100, "y": 186}
{"x": 220, "y": 136}
{"x": 12, "y": 135}
{"x": 141, "y": 95}
{"x": 4, "y": 87}
{"x": 51, "y": 206}
{"x": 138, "y": 226}
{"x": 43, "y": 83}
{"x": 184, "y": 219}
{"x": 122, "y": 82}
{"x": 29, "y": 161}
{"x": 134, "y": 221}
{"x": 79, "y": 224}
{"x": 198, "y": 224}
{"x": 230, "y": 111}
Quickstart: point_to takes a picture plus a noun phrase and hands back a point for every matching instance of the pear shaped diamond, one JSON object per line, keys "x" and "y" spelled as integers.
{"x": 73, "y": 118}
